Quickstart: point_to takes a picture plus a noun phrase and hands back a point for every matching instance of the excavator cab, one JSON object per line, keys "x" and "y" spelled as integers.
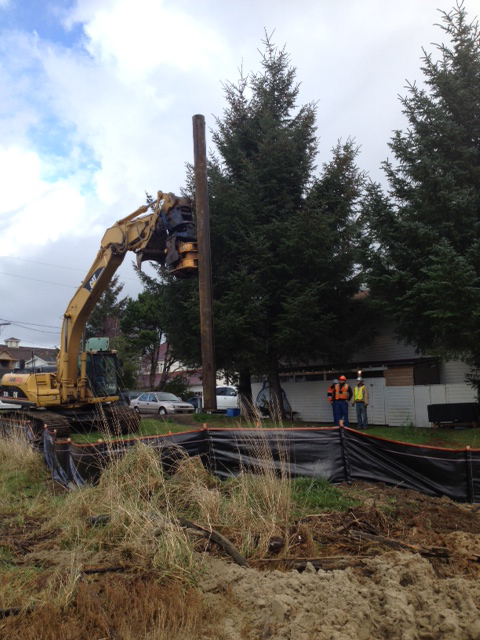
{"x": 102, "y": 373}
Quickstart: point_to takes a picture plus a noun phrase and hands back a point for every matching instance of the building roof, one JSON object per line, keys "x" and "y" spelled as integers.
{"x": 26, "y": 353}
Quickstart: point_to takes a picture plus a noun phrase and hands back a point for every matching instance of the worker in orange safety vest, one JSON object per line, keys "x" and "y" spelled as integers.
{"x": 343, "y": 395}
{"x": 331, "y": 399}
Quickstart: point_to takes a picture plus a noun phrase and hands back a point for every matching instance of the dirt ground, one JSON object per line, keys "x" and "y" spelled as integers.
{"x": 406, "y": 572}
{"x": 402, "y": 566}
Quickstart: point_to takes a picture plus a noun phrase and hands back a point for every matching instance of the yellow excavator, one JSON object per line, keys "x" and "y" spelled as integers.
{"x": 83, "y": 393}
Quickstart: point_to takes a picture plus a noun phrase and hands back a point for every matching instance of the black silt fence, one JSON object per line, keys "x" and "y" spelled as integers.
{"x": 336, "y": 454}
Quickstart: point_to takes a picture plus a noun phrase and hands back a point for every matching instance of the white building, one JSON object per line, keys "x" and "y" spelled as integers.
{"x": 401, "y": 384}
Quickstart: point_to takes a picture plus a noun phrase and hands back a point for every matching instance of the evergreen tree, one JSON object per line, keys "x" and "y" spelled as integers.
{"x": 283, "y": 242}
{"x": 424, "y": 259}
{"x": 104, "y": 321}
{"x": 141, "y": 325}
{"x": 144, "y": 322}
{"x": 128, "y": 361}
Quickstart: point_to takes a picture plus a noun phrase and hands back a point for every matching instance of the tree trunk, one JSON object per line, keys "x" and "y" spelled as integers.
{"x": 167, "y": 365}
{"x": 151, "y": 375}
{"x": 247, "y": 404}
{"x": 154, "y": 355}
{"x": 277, "y": 411}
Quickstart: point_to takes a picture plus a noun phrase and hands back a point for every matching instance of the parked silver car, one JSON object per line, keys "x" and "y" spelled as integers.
{"x": 160, "y": 403}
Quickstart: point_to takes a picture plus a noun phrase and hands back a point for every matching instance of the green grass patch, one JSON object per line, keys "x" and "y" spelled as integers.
{"x": 24, "y": 480}
{"x": 148, "y": 427}
{"x": 177, "y": 424}
{"x": 311, "y": 495}
{"x": 446, "y": 438}
{"x": 7, "y": 559}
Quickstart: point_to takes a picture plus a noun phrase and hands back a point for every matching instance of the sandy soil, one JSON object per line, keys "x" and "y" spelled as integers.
{"x": 426, "y": 589}
{"x": 395, "y": 595}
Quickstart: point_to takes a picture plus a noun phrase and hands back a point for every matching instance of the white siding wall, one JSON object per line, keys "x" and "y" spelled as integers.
{"x": 399, "y": 405}
{"x": 459, "y": 393}
{"x": 409, "y": 404}
{"x": 376, "y": 401}
{"x": 453, "y": 372}
{"x": 308, "y": 399}
{"x": 438, "y": 394}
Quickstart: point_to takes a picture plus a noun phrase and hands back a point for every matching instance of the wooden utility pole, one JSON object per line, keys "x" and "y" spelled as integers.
{"x": 204, "y": 264}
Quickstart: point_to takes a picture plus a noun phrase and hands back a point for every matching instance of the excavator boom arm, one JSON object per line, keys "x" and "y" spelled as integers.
{"x": 167, "y": 236}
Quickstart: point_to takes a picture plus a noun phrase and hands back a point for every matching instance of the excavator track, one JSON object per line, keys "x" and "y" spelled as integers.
{"x": 33, "y": 424}
{"x": 116, "y": 420}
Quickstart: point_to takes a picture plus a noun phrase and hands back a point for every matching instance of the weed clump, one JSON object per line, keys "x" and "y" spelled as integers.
{"x": 313, "y": 495}
{"x": 148, "y": 493}
{"x": 139, "y": 524}
{"x": 23, "y": 478}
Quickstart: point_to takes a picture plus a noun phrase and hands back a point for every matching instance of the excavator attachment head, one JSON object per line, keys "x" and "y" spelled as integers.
{"x": 173, "y": 243}
{"x": 154, "y": 250}
{"x": 182, "y": 258}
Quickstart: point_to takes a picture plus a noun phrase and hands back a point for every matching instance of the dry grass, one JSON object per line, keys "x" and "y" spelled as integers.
{"x": 258, "y": 502}
{"x": 141, "y": 530}
{"x": 23, "y": 478}
{"x": 143, "y": 504}
{"x": 142, "y": 499}
{"x": 17, "y": 454}
{"x": 126, "y": 608}
{"x": 154, "y": 599}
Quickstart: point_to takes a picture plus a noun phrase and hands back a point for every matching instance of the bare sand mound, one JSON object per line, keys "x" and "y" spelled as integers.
{"x": 396, "y": 595}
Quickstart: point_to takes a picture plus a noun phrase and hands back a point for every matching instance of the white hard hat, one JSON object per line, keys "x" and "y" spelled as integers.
{"x": 359, "y": 379}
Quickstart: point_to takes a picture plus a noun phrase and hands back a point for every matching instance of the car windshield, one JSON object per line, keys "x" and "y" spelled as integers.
{"x": 168, "y": 397}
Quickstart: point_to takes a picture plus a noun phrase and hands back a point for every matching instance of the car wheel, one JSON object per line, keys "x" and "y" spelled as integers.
{"x": 162, "y": 411}
{"x": 137, "y": 410}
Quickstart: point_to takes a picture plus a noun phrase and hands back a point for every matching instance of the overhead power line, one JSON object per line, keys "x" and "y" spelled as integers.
{"x": 33, "y": 324}
{"x": 55, "y": 266}
{"x": 58, "y": 284}
{"x": 45, "y": 264}
{"x": 21, "y": 326}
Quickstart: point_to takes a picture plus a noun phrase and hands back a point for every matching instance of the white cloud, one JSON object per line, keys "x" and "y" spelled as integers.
{"x": 132, "y": 108}
{"x": 34, "y": 212}
{"x": 127, "y": 127}
{"x": 135, "y": 38}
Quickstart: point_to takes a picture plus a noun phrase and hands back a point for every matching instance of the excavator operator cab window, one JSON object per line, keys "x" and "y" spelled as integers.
{"x": 102, "y": 374}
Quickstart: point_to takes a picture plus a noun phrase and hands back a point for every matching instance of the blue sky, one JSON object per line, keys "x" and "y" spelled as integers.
{"x": 42, "y": 17}
{"x": 97, "y": 99}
